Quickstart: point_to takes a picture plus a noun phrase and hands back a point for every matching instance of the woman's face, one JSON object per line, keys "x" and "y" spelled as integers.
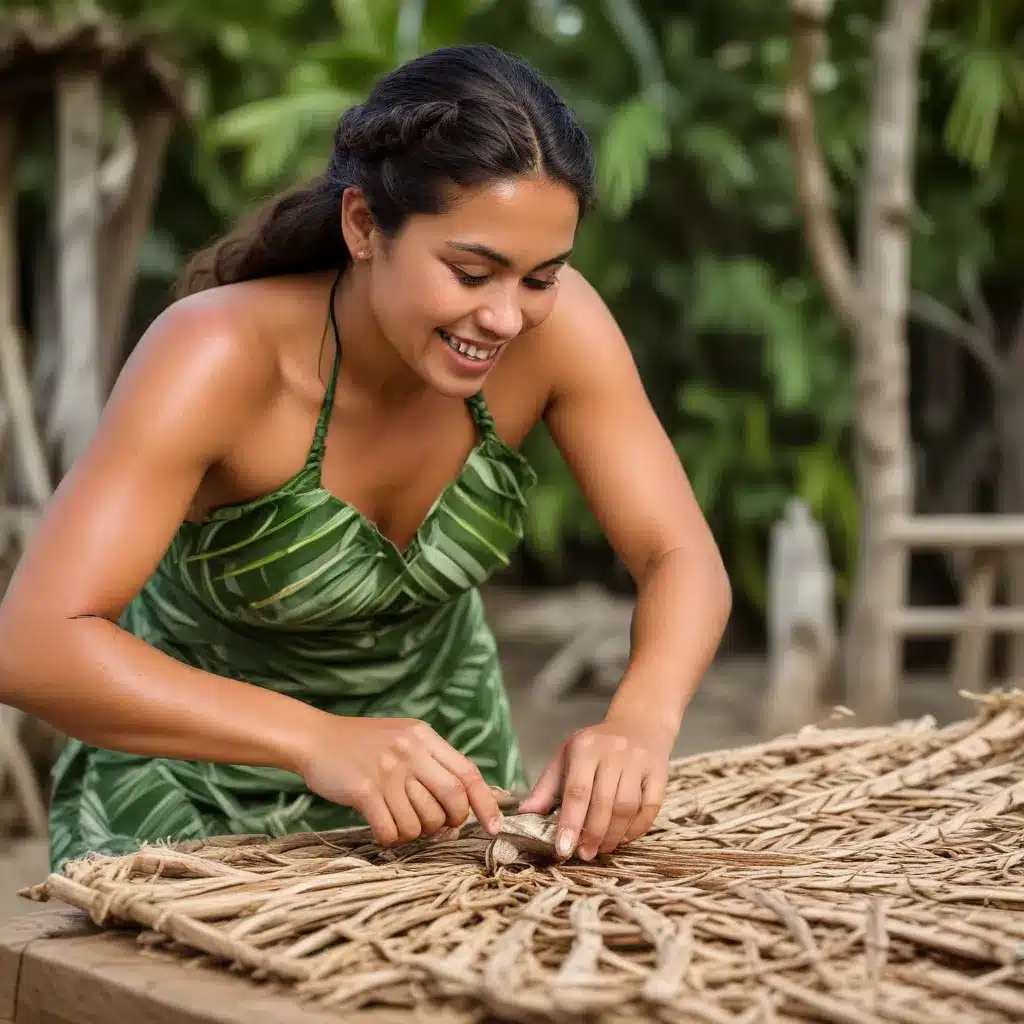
{"x": 452, "y": 290}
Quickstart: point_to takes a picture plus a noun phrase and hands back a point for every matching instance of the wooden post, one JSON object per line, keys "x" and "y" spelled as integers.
{"x": 801, "y": 621}
{"x": 45, "y": 331}
{"x": 79, "y": 391}
{"x": 970, "y": 659}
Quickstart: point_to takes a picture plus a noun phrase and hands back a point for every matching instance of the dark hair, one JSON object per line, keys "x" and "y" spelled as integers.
{"x": 462, "y": 115}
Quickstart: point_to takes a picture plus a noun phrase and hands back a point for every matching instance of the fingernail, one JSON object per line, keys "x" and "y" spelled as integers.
{"x": 563, "y": 842}
{"x": 497, "y": 822}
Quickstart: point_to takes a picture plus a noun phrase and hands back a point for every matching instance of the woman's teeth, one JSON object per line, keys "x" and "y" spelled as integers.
{"x": 481, "y": 355}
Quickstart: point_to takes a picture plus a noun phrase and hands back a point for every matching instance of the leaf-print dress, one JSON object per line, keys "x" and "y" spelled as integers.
{"x": 299, "y": 592}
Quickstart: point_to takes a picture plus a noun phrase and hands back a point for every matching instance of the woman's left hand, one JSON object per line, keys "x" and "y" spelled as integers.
{"x": 611, "y": 779}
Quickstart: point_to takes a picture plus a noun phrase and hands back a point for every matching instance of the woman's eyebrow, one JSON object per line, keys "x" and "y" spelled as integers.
{"x": 492, "y": 254}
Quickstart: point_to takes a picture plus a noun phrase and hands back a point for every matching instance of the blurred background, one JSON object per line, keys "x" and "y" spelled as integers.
{"x": 755, "y": 240}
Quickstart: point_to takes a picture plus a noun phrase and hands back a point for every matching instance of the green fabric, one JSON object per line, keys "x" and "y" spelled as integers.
{"x": 299, "y": 592}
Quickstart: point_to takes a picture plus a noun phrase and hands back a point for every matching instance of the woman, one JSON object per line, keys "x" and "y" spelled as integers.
{"x": 253, "y": 602}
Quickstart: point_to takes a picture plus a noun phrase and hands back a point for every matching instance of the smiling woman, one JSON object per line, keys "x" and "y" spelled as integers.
{"x": 253, "y": 604}
{"x": 453, "y": 290}
{"x": 487, "y": 351}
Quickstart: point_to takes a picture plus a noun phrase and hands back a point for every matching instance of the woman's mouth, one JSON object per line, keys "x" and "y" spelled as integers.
{"x": 478, "y": 356}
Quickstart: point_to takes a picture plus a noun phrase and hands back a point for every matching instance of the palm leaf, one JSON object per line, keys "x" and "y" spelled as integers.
{"x": 635, "y": 134}
{"x": 988, "y": 72}
{"x": 638, "y": 39}
{"x": 277, "y": 133}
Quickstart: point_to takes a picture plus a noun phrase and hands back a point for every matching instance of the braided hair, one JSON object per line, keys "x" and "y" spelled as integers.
{"x": 460, "y": 115}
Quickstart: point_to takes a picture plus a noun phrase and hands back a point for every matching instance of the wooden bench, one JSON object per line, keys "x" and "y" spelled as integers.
{"x": 56, "y": 967}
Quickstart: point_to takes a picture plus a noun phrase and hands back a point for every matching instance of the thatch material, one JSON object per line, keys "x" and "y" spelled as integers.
{"x": 35, "y": 48}
{"x": 842, "y": 875}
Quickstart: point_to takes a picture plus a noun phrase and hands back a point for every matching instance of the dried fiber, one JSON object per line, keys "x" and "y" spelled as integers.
{"x": 846, "y": 875}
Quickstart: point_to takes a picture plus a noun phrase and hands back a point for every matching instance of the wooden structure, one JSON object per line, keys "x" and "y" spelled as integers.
{"x": 990, "y": 545}
{"x": 55, "y": 376}
{"x": 57, "y": 967}
{"x": 83, "y": 275}
{"x": 802, "y": 631}
{"x": 590, "y": 628}
{"x": 990, "y": 542}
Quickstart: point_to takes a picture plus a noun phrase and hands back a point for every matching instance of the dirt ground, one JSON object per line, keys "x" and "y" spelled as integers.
{"x": 724, "y": 713}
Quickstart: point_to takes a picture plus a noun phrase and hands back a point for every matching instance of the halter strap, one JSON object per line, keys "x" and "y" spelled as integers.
{"x": 316, "y": 452}
{"x": 477, "y": 404}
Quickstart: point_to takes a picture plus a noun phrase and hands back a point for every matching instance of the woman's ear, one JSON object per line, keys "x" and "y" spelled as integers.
{"x": 357, "y": 225}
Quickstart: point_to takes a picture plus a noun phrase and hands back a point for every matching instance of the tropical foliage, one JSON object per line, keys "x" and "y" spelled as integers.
{"x": 698, "y": 245}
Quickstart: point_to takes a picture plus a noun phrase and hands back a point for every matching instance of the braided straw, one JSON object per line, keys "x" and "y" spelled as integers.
{"x": 847, "y": 875}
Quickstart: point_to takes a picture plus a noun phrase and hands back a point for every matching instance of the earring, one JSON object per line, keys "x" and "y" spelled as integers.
{"x": 361, "y": 255}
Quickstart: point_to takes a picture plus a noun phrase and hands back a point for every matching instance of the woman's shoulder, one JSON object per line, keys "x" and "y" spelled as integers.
{"x": 223, "y": 323}
{"x": 240, "y": 329}
{"x": 578, "y": 339}
{"x": 578, "y": 311}
{"x": 205, "y": 352}
{"x": 580, "y": 332}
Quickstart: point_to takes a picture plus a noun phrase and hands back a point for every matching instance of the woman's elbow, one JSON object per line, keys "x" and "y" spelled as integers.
{"x": 26, "y": 636}
{"x": 718, "y": 586}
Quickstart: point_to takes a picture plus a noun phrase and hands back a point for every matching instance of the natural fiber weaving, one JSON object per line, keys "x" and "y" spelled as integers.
{"x": 847, "y": 875}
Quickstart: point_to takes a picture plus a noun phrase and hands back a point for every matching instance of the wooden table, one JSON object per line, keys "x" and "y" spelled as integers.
{"x": 56, "y": 967}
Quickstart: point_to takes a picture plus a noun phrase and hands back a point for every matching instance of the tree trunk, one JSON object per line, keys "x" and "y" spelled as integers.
{"x": 1009, "y": 419}
{"x": 17, "y": 395}
{"x": 882, "y": 438}
{"x": 45, "y": 329}
{"x": 122, "y": 233}
{"x": 78, "y": 399}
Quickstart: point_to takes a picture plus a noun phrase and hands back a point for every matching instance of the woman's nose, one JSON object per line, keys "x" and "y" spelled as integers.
{"x": 501, "y": 315}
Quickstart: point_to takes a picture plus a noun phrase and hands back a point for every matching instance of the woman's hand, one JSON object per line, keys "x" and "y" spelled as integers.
{"x": 612, "y": 781}
{"x": 399, "y": 774}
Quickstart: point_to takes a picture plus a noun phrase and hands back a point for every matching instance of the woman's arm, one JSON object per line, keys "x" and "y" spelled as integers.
{"x": 603, "y": 423}
{"x": 191, "y": 385}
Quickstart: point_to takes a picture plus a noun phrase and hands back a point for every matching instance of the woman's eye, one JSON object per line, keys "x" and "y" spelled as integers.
{"x": 474, "y": 280}
{"x": 470, "y": 279}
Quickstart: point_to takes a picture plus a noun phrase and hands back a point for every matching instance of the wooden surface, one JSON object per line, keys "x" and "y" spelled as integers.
{"x": 56, "y": 967}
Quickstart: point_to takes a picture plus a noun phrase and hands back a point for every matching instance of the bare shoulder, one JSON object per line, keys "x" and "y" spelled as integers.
{"x": 211, "y": 338}
{"x": 196, "y": 380}
{"x": 203, "y": 358}
{"x": 580, "y": 345}
{"x": 577, "y": 350}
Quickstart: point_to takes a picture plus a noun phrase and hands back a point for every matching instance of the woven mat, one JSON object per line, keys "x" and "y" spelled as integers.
{"x": 847, "y": 875}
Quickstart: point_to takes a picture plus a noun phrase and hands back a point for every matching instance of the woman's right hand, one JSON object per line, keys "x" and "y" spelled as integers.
{"x": 399, "y": 774}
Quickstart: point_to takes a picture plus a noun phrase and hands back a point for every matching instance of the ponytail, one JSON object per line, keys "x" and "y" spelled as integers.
{"x": 295, "y": 233}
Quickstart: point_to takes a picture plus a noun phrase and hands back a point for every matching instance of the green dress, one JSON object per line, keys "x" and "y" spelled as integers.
{"x": 299, "y": 592}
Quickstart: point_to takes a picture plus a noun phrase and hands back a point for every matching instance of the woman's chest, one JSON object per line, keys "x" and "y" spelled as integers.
{"x": 392, "y": 472}
{"x": 376, "y": 523}
{"x": 303, "y": 558}
{"x": 391, "y": 464}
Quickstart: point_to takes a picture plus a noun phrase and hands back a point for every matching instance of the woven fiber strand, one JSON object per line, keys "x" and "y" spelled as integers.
{"x": 847, "y": 875}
